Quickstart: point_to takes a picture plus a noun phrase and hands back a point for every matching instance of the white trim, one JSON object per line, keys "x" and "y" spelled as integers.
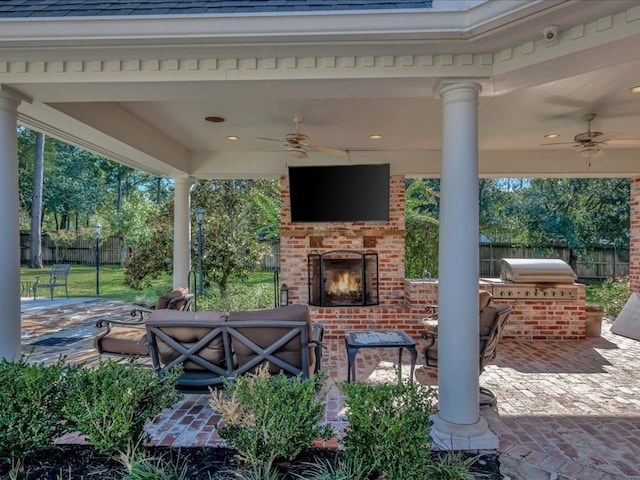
{"x": 417, "y": 24}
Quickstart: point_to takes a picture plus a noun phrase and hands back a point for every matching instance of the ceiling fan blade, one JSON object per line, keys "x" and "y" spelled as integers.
{"x": 559, "y": 143}
{"x": 332, "y": 151}
{"x": 625, "y": 141}
{"x": 271, "y": 139}
{"x": 606, "y": 136}
{"x": 591, "y": 151}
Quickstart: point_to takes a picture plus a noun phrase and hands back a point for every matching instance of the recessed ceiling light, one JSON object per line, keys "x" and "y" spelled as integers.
{"x": 552, "y": 135}
{"x": 214, "y": 119}
{"x": 375, "y": 136}
{"x": 635, "y": 89}
{"x": 233, "y": 138}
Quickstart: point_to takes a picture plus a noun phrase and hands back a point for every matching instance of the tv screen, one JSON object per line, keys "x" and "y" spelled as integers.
{"x": 344, "y": 193}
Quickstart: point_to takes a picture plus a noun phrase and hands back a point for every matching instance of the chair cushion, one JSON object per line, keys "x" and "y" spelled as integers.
{"x": 484, "y": 299}
{"x": 266, "y": 336}
{"x": 188, "y": 336}
{"x": 163, "y": 300}
{"x": 124, "y": 341}
{"x": 487, "y": 320}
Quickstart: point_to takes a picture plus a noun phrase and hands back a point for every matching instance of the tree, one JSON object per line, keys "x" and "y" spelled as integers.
{"x": 154, "y": 254}
{"x": 578, "y": 212}
{"x": 36, "y": 203}
{"x": 422, "y": 227}
{"x": 234, "y": 216}
{"x": 74, "y": 187}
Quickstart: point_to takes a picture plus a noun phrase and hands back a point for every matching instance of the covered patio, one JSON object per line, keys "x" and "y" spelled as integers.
{"x": 569, "y": 408}
{"x": 446, "y": 89}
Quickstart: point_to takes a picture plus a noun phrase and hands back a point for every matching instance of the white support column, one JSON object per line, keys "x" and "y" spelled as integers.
{"x": 458, "y": 425}
{"x": 182, "y": 231}
{"x": 10, "y": 343}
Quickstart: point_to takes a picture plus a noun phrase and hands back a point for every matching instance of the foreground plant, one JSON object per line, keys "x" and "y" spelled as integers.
{"x": 31, "y": 406}
{"x": 613, "y": 294}
{"x": 270, "y": 417}
{"x": 155, "y": 469}
{"x": 340, "y": 469}
{"x": 111, "y": 404}
{"x": 453, "y": 466}
{"x": 389, "y": 428}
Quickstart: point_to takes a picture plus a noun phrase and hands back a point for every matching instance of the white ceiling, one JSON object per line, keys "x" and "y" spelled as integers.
{"x": 530, "y": 88}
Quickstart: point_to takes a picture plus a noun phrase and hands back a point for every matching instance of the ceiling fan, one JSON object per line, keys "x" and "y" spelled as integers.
{"x": 298, "y": 144}
{"x": 589, "y": 143}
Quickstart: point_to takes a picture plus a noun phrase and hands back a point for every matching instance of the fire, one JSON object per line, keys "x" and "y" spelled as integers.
{"x": 344, "y": 283}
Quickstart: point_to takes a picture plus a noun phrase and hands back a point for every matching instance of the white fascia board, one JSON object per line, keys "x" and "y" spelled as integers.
{"x": 394, "y": 25}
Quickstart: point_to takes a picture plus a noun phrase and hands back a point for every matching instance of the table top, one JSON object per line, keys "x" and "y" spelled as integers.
{"x": 379, "y": 338}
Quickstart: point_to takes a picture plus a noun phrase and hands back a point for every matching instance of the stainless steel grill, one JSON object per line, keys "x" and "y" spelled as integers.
{"x": 536, "y": 270}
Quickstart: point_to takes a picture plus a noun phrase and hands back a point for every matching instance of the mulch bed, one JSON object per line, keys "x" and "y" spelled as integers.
{"x": 82, "y": 462}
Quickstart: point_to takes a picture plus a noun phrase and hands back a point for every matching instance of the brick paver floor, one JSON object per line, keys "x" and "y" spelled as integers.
{"x": 568, "y": 408}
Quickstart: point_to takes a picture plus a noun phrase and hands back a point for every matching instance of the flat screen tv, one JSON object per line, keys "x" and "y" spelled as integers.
{"x": 339, "y": 193}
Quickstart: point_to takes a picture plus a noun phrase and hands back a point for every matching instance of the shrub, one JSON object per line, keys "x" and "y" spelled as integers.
{"x": 613, "y": 295}
{"x": 31, "y": 405}
{"x": 389, "y": 428}
{"x": 111, "y": 404}
{"x": 270, "y": 417}
{"x": 239, "y": 298}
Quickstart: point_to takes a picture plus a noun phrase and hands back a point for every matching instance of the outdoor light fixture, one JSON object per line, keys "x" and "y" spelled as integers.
{"x": 297, "y": 152}
{"x": 284, "y": 295}
{"x": 96, "y": 229}
{"x": 199, "y": 221}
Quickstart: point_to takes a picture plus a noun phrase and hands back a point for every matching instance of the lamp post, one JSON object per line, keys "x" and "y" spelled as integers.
{"x": 96, "y": 229}
{"x": 199, "y": 220}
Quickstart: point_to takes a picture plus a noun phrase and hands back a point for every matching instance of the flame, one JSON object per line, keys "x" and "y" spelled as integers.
{"x": 344, "y": 284}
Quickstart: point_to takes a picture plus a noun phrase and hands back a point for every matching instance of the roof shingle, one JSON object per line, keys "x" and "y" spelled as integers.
{"x": 66, "y": 8}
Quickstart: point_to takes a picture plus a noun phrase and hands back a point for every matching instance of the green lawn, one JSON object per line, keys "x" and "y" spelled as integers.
{"x": 82, "y": 283}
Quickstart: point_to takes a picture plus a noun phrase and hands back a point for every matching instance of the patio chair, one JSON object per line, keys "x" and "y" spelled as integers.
{"x": 128, "y": 337}
{"x": 57, "y": 278}
{"x": 492, "y": 321}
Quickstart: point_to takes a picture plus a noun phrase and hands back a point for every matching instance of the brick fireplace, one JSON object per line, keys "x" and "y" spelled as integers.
{"x": 400, "y": 301}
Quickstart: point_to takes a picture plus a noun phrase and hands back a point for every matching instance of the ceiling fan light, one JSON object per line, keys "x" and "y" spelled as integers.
{"x": 299, "y": 153}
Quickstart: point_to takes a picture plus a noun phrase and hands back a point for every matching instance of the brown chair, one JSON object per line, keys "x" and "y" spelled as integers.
{"x": 492, "y": 321}
{"x": 57, "y": 278}
{"x": 129, "y": 336}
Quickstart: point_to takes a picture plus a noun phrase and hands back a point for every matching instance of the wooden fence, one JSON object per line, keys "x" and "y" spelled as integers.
{"x": 594, "y": 264}
{"x": 80, "y": 252}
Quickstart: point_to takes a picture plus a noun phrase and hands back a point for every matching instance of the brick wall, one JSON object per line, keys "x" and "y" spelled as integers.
{"x": 634, "y": 235}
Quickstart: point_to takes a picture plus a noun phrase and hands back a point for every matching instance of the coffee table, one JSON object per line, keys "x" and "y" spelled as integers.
{"x": 358, "y": 339}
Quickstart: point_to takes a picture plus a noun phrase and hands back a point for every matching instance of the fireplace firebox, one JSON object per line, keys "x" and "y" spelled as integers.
{"x": 343, "y": 278}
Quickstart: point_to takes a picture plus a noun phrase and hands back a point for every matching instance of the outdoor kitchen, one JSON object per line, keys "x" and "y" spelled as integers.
{"x": 352, "y": 274}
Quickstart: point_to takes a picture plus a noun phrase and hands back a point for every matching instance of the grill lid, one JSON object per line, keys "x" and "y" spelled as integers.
{"x": 536, "y": 270}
